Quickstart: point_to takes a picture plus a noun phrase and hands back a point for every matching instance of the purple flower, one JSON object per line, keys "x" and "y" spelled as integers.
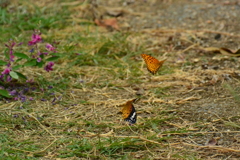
{"x": 6, "y": 71}
{"x": 39, "y": 59}
{"x": 9, "y": 78}
{"x": 50, "y": 47}
{"x": 19, "y": 44}
{"x": 31, "y": 50}
{"x": 26, "y": 89}
{"x": 54, "y": 99}
{"x": 11, "y": 57}
{"x": 49, "y": 66}
{"x": 15, "y": 116}
{"x": 23, "y": 98}
{"x": 36, "y": 38}
{"x": 11, "y": 44}
{"x": 13, "y": 92}
{"x": 30, "y": 98}
{"x": 30, "y": 81}
{"x": 50, "y": 87}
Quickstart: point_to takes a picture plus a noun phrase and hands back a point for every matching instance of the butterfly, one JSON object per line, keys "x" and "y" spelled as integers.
{"x": 128, "y": 112}
{"x": 153, "y": 64}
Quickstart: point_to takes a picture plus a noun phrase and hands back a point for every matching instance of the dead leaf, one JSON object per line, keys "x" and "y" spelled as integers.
{"x": 140, "y": 92}
{"x": 212, "y": 142}
{"x": 228, "y": 52}
{"x": 108, "y": 23}
{"x": 223, "y": 51}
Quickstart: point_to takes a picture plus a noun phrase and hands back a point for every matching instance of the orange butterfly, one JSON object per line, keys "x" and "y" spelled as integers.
{"x": 153, "y": 64}
{"x": 128, "y": 112}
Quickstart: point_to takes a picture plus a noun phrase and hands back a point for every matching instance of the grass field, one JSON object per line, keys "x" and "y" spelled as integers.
{"x": 188, "y": 110}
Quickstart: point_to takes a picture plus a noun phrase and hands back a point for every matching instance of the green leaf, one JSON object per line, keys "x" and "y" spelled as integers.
{"x": 19, "y": 59}
{"x": 55, "y": 54}
{"x": 41, "y": 56}
{"x": 21, "y": 75}
{"x": 13, "y": 75}
{"x": 40, "y": 64}
{"x": 32, "y": 62}
{"x": 5, "y": 93}
{"x": 3, "y": 63}
{"x": 52, "y": 58}
{"x": 16, "y": 67}
{"x": 21, "y": 55}
{"x": 6, "y": 54}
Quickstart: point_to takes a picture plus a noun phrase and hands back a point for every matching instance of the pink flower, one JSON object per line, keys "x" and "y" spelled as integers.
{"x": 30, "y": 81}
{"x": 49, "y": 66}
{"x": 12, "y": 57}
{"x": 6, "y": 71}
{"x": 39, "y": 59}
{"x": 50, "y": 47}
{"x": 36, "y": 38}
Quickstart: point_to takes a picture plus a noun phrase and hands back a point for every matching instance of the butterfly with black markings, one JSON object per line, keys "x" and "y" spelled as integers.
{"x": 129, "y": 113}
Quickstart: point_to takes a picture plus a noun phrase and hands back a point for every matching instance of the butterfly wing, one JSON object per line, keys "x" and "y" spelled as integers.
{"x": 152, "y": 63}
{"x": 129, "y": 113}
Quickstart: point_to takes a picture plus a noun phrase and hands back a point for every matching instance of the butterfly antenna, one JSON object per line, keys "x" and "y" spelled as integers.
{"x": 135, "y": 100}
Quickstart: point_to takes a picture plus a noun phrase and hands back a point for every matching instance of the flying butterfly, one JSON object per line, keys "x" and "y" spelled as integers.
{"x": 128, "y": 112}
{"x": 153, "y": 64}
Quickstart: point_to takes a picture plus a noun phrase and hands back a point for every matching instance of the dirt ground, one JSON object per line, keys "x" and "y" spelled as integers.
{"x": 173, "y": 28}
{"x": 205, "y": 85}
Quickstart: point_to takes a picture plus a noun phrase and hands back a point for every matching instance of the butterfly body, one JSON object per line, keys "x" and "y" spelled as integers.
{"x": 129, "y": 113}
{"x": 152, "y": 63}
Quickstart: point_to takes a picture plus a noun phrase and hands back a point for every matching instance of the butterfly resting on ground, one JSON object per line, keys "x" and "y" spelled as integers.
{"x": 128, "y": 112}
{"x": 153, "y": 64}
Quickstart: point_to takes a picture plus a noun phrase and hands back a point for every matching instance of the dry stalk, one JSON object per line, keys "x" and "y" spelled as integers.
{"x": 167, "y": 134}
{"x": 213, "y": 147}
